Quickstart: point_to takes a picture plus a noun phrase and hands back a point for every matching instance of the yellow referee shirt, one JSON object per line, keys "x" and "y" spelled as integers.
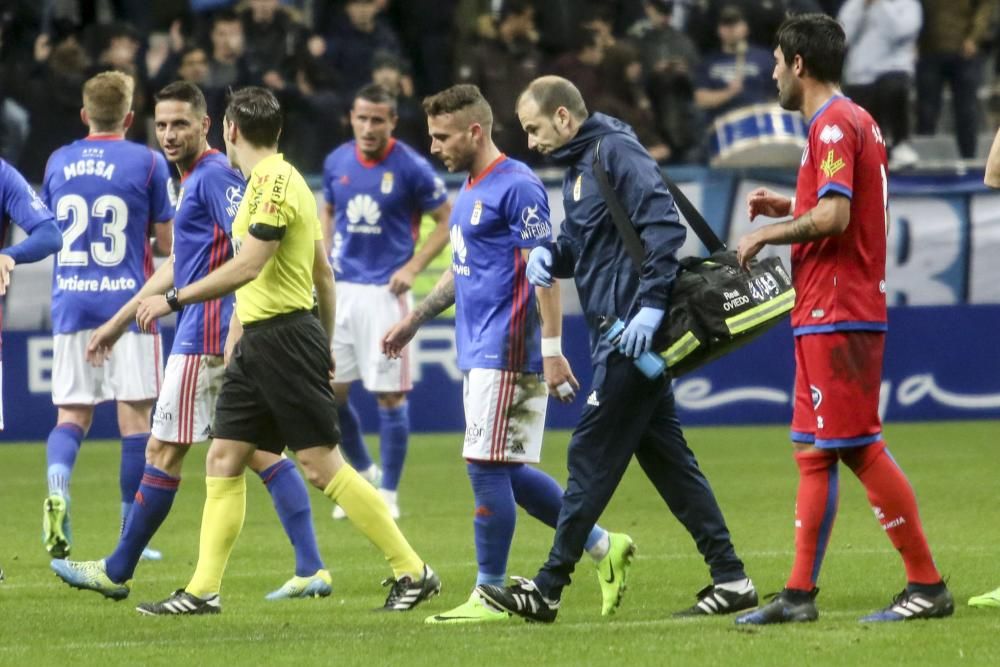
{"x": 278, "y": 199}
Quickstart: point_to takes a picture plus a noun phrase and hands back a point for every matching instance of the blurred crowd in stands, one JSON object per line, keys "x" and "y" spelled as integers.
{"x": 671, "y": 69}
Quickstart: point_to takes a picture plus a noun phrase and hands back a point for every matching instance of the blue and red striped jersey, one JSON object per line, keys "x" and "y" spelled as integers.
{"x": 502, "y": 211}
{"x": 105, "y": 192}
{"x": 210, "y": 195}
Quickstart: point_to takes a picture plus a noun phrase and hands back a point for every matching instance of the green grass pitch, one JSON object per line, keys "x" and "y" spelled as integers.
{"x": 953, "y": 466}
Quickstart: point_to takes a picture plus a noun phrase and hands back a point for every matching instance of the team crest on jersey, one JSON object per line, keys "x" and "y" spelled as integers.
{"x": 831, "y": 134}
{"x": 817, "y": 395}
{"x": 577, "y": 187}
{"x": 831, "y": 164}
{"x": 477, "y": 213}
{"x": 387, "y": 180}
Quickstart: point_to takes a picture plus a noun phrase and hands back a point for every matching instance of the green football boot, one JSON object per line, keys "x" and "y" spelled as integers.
{"x": 474, "y": 610}
{"x": 612, "y": 571}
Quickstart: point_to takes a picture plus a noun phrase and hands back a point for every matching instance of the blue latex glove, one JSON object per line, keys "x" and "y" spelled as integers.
{"x": 638, "y": 334}
{"x": 539, "y": 263}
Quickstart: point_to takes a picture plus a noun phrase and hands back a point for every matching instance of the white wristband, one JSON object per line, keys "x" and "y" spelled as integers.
{"x": 552, "y": 347}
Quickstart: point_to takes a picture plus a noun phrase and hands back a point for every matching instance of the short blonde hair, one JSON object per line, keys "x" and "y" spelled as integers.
{"x": 107, "y": 98}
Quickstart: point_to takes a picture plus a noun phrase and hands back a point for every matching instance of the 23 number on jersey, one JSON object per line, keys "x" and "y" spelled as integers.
{"x": 108, "y": 251}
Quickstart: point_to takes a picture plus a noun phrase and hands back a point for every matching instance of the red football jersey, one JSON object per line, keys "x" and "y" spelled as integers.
{"x": 840, "y": 280}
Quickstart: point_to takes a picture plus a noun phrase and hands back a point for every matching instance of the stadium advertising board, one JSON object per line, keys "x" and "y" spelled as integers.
{"x": 941, "y": 359}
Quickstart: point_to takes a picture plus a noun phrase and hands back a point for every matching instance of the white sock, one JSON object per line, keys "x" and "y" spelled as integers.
{"x": 370, "y": 473}
{"x": 388, "y": 496}
{"x": 600, "y": 550}
{"x": 737, "y": 586}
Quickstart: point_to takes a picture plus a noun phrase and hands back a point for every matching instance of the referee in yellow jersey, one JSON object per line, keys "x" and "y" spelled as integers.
{"x": 276, "y": 391}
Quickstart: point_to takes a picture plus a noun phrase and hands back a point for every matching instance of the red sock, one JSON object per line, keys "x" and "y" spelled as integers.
{"x": 815, "y": 510}
{"x": 895, "y": 505}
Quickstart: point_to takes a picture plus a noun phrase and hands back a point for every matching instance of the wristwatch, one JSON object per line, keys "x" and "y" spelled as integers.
{"x": 172, "y": 301}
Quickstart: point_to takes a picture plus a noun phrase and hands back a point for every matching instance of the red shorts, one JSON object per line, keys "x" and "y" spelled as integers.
{"x": 838, "y": 376}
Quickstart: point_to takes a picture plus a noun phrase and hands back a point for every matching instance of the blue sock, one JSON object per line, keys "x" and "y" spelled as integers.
{"x": 130, "y": 469}
{"x": 291, "y": 500}
{"x": 394, "y": 432}
{"x": 152, "y": 504}
{"x": 541, "y": 497}
{"x": 496, "y": 515}
{"x": 60, "y": 454}
{"x": 352, "y": 443}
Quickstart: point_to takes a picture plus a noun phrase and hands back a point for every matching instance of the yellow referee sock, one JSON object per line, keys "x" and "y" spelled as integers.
{"x": 221, "y": 523}
{"x": 366, "y": 509}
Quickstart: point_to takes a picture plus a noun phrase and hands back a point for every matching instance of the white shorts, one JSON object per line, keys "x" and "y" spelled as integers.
{"x": 364, "y": 314}
{"x": 133, "y": 371}
{"x": 504, "y": 415}
{"x": 186, "y": 405}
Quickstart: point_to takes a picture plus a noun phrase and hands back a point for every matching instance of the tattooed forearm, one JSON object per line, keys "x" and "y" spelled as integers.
{"x": 802, "y": 228}
{"x": 440, "y": 298}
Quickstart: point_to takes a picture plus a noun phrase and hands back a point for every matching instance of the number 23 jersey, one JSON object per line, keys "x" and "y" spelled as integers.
{"x": 105, "y": 192}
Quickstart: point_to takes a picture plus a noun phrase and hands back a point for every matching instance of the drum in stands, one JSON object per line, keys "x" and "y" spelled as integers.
{"x": 761, "y": 135}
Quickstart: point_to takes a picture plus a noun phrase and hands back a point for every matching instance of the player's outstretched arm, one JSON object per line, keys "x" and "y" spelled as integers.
{"x": 105, "y": 336}
{"x": 237, "y": 272}
{"x": 559, "y": 378}
{"x": 992, "y": 176}
{"x": 402, "y": 332}
{"x": 402, "y": 280}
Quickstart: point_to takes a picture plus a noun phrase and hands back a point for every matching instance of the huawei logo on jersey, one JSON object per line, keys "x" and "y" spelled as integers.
{"x": 459, "y": 253}
{"x": 458, "y": 244}
{"x": 363, "y": 214}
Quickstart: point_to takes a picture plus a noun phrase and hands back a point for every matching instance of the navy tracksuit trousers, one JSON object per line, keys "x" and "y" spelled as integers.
{"x": 627, "y": 414}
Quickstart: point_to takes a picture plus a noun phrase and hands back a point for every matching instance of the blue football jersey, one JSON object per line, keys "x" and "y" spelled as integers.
{"x": 502, "y": 211}
{"x": 377, "y": 209}
{"x": 106, "y": 193}
{"x": 210, "y": 196}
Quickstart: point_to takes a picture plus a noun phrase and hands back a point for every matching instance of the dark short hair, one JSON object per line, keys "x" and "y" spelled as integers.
{"x": 552, "y": 92}
{"x": 224, "y": 16}
{"x": 819, "y": 40}
{"x": 376, "y": 94}
{"x": 514, "y": 8}
{"x": 183, "y": 91}
{"x": 461, "y": 97}
{"x": 256, "y": 113}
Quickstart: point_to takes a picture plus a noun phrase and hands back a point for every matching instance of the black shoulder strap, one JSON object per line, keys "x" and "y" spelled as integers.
{"x": 629, "y": 236}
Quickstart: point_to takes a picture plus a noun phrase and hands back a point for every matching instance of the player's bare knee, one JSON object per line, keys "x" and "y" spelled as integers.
{"x": 320, "y": 465}
{"x": 340, "y": 393}
{"x": 166, "y": 456}
{"x": 227, "y": 458}
{"x": 79, "y": 415}
{"x": 391, "y": 400}
{"x": 261, "y": 460}
{"x": 133, "y": 417}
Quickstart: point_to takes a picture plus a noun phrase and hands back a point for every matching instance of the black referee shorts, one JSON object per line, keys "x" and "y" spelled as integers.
{"x": 276, "y": 391}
